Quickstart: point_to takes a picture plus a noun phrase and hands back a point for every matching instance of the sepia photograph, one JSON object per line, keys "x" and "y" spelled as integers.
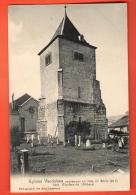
{"x": 68, "y": 97}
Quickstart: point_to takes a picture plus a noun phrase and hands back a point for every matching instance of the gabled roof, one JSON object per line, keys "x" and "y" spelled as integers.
{"x": 20, "y": 101}
{"x": 68, "y": 31}
{"x": 122, "y": 122}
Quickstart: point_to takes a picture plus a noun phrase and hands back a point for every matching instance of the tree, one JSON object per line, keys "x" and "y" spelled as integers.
{"x": 77, "y": 128}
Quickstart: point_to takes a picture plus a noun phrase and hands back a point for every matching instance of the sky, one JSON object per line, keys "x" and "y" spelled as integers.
{"x": 31, "y": 27}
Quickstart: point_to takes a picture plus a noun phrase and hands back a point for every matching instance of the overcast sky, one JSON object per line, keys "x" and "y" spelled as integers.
{"x": 31, "y": 27}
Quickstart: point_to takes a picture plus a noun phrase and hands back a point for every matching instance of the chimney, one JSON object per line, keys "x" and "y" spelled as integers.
{"x": 81, "y": 38}
{"x": 13, "y": 102}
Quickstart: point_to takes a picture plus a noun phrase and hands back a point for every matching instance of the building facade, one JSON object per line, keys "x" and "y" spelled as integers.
{"x": 121, "y": 125}
{"x": 69, "y": 89}
{"x": 24, "y": 113}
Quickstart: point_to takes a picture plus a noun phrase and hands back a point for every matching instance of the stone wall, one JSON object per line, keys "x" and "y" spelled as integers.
{"x": 30, "y": 119}
{"x": 61, "y": 121}
{"x": 52, "y": 121}
{"x": 49, "y": 76}
{"x": 60, "y": 84}
{"x": 93, "y": 114}
{"x": 47, "y": 120}
{"x": 76, "y": 73}
{"x": 42, "y": 118}
{"x": 76, "y": 111}
{"x": 89, "y": 106}
{"x": 14, "y": 120}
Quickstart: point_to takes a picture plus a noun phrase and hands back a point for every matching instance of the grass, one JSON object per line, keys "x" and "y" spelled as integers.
{"x": 58, "y": 159}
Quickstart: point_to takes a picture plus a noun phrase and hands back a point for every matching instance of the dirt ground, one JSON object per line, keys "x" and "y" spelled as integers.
{"x": 57, "y": 159}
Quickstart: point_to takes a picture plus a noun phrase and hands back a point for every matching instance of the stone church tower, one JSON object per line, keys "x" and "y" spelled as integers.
{"x": 69, "y": 89}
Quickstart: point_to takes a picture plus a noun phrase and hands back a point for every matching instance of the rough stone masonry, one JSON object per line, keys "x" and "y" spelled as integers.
{"x": 69, "y": 89}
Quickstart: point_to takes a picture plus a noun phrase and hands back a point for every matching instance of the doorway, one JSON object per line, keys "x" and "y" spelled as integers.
{"x": 22, "y": 124}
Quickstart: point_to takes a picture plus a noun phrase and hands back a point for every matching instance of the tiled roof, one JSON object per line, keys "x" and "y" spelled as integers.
{"x": 68, "y": 31}
{"x": 21, "y": 100}
{"x": 18, "y": 102}
{"x": 122, "y": 122}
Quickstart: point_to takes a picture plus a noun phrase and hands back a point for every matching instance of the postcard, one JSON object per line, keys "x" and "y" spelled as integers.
{"x": 68, "y": 77}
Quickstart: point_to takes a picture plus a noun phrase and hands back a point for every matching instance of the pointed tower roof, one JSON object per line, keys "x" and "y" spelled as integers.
{"x": 68, "y": 31}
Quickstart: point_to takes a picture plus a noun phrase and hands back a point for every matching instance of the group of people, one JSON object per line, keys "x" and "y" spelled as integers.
{"x": 120, "y": 144}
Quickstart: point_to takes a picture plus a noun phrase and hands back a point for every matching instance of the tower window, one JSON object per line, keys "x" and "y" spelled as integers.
{"x": 78, "y": 56}
{"x": 79, "y": 92}
{"x": 48, "y": 59}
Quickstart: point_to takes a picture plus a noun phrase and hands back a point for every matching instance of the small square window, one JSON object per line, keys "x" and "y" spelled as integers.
{"x": 78, "y": 56}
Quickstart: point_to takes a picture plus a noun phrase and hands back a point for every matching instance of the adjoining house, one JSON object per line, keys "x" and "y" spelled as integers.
{"x": 121, "y": 125}
{"x": 24, "y": 113}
